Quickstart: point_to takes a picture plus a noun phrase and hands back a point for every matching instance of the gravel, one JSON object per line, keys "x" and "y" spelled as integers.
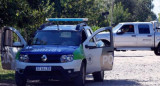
{"x": 134, "y": 68}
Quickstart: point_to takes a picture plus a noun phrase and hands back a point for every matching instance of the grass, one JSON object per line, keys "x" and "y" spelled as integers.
{"x": 6, "y": 75}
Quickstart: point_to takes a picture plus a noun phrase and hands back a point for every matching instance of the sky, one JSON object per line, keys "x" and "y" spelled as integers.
{"x": 156, "y": 8}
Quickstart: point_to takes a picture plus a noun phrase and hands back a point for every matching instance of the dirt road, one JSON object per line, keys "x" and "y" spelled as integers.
{"x": 134, "y": 68}
{"x": 131, "y": 68}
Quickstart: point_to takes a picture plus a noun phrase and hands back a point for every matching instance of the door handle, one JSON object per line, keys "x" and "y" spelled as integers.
{"x": 133, "y": 35}
{"x": 149, "y": 35}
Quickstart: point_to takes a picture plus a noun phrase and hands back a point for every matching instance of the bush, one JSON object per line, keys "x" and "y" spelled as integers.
{"x": 94, "y": 28}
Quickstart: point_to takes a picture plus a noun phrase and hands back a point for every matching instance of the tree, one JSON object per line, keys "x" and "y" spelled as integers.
{"x": 91, "y": 9}
{"x": 139, "y": 9}
{"x": 8, "y": 12}
{"x": 128, "y": 4}
{"x": 25, "y": 15}
{"x": 119, "y": 14}
{"x": 143, "y": 10}
{"x": 31, "y": 16}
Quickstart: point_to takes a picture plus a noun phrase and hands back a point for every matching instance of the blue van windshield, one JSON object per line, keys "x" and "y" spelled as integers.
{"x": 68, "y": 38}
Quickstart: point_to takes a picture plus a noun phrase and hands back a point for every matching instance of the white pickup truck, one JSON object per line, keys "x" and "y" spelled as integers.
{"x": 135, "y": 36}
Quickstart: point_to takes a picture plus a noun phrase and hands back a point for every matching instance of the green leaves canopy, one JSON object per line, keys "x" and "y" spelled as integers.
{"x": 119, "y": 14}
{"x": 27, "y": 15}
{"x": 24, "y": 15}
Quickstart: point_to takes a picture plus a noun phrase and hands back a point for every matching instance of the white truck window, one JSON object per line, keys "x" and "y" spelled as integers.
{"x": 127, "y": 29}
{"x": 143, "y": 29}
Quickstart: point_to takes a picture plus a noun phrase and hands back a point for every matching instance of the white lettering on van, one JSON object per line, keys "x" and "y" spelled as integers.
{"x": 108, "y": 59}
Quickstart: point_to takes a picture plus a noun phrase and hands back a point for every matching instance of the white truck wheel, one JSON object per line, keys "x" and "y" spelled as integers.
{"x": 157, "y": 50}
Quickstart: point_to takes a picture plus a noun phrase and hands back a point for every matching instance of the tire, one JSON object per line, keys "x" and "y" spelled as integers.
{"x": 80, "y": 79}
{"x": 157, "y": 50}
{"x": 98, "y": 76}
{"x": 20, "y": 79}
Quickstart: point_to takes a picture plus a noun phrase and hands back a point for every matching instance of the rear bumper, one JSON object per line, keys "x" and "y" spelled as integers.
{"x": 57, "y": 73}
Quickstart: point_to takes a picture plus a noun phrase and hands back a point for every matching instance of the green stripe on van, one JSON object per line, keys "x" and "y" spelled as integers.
{"x": 78, "y": 53}
{"x": 18, "y": 55}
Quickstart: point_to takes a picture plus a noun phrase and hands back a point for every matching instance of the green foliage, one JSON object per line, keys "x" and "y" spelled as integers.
{"x": 91, "y": 9}
{"x": 6, "y": 75}
{"x": 94, "y": 28}
{"x": 119, "y": 14}
{"x": 28, "y": 15}
{"x": 25, "y": 15}
{"x": 31, "y": 17}
{"x": 8, "y": 12}
{"x": 143, "y": 10}
{"x": 139, "y": 9}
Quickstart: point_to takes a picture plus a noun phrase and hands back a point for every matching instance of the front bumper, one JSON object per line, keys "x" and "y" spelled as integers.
{"x": 75, "y": 65}
{"x": 57, "y": 73}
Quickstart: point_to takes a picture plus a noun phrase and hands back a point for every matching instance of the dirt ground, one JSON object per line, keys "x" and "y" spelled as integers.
{"x": 131, "y": 68}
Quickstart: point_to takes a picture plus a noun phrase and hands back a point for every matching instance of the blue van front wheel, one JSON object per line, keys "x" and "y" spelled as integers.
{"x": 80, "y": 80}
{"x": 20, "y": 79}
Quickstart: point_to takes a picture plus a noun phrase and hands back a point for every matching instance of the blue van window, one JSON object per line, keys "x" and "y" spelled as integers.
{"x": 143, "y": 29}
{"x": 67, "y": 38}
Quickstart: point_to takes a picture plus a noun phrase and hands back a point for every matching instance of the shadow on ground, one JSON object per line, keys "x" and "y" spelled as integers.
{"x": 7, "y": 80}
{"x": 88, "y": 83}
{"x": 113, "y": 83}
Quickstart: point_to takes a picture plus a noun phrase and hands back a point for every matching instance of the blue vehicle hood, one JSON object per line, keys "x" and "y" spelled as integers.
{"x": 48, "y": 49}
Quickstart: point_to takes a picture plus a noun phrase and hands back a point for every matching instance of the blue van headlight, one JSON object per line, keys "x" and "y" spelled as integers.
{"x": 24, "y": 58}
{"x": 66, "y": 58}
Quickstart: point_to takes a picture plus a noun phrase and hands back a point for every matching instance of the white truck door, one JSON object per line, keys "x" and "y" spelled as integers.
{"x": 145, "y": 35}
{"x": 12, "y": 41}
{"x": 99, "y": 57}
{"x": 126, "y": 36}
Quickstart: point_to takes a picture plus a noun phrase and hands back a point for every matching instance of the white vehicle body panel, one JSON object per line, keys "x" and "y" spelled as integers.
{"x": 125, "y": 40}
{"x": 145, "y": 40}
{"x": 100, "y": 58}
